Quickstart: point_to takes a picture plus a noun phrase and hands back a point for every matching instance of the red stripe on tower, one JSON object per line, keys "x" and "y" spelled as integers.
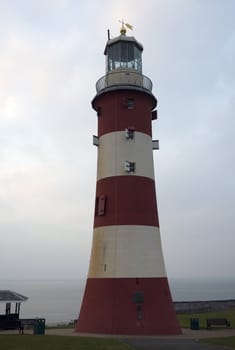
{"x": 127, "y": 290}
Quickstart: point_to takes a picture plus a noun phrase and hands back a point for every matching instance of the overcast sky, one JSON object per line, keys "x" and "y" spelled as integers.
{"x": 51, "y": 55}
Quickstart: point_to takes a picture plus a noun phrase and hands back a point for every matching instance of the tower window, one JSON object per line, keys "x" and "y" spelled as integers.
{"x": 95, "y": 140}
{"x": 138, "y": 297}
{"x": 155, "y": 144}
{"x": 130, "y": 103}
{"x": 129, "y": 132}
{"x": 154, "y": 115}
{"x": 129, "y": 166}
{"x": 100, "y": 205}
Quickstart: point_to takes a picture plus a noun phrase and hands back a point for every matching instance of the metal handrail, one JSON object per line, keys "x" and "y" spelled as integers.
{"x": 125, "y": 78}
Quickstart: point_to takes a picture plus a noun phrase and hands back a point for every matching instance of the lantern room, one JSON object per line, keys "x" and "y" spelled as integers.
{"x": 123, "y": 52}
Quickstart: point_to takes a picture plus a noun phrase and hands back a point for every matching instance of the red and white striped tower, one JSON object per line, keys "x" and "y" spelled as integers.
{"x": 127, "y": 289}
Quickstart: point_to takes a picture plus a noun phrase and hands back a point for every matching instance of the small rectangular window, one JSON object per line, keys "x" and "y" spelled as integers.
{"x": 95, "y": 140}
{"x": 129, "y": 166}
{"x": 130, "y": 103}
{"x": 138, "y": 297}
{"x": 132, "y": 167}
{"x": 155, "y": 144}
{"x": 154, "y": 115}
{"x": 129, "y": 132}
{"x": 100, "y": 205}
{"x": 96, "y": 205}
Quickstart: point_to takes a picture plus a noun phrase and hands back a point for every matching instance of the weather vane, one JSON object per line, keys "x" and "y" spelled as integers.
{"x": 124, "y": 26}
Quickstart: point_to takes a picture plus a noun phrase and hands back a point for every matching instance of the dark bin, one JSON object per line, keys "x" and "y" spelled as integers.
{"x": 194, "y": 323}
{"x": 39, "y": 326}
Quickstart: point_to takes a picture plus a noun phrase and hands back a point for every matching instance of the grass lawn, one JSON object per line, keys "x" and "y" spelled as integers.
{"x": 184, "y": 319}
{"x": 228, "y": 341}
{"x": 39, "y": 342}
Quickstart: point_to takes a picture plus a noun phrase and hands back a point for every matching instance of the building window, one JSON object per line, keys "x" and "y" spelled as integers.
{"x": 95, "y": 140}
{"x": 129, "y": 132}
{"x": 130, "y": 103}
{"x": 138, "y": 297}
{"x": 155, "y": 144}
{"x": 100, "y": 205}
{"x": 129, "y": 166}
{"x": 154, "y": 115}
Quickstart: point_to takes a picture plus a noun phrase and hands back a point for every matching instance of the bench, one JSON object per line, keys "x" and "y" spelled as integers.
{"x": 28, "y": 322}
{"x": 217, "y": 322}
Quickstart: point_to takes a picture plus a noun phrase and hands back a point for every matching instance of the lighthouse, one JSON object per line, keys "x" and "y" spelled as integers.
{"x": 127, "y": 289}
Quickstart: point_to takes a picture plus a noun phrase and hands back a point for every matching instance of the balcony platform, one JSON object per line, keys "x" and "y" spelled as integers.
{"x": 124, "y": 78}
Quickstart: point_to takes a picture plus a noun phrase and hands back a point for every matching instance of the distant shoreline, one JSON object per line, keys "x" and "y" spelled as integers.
{"x": 182, "y": 307}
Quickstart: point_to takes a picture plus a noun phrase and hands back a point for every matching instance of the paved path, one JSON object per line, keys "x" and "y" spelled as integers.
{"x": 186, "y": 334}
{"x": 168, "y": 344}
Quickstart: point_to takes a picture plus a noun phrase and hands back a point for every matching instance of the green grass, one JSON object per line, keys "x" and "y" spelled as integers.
{"x": 39, "y": 342}
{"x": 227, "y": 341}
{"x": 184, "y": 319}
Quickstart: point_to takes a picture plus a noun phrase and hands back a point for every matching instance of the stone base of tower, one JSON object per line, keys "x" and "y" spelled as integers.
{"x": 131, "y": 306}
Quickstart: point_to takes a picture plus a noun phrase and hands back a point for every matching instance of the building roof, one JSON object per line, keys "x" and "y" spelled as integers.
{"x": 7, "y": 295}
{"x": 123, "y": 38}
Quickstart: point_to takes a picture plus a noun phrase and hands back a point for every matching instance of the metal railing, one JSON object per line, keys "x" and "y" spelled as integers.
{"x": 125, "y": 78}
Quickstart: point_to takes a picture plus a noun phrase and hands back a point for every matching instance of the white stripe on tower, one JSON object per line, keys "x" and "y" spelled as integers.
{"x": 114, "y": 149}
{"x": 126, "y": 252}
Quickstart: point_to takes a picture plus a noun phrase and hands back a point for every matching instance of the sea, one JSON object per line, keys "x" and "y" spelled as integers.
{"x": 59, "y": 301}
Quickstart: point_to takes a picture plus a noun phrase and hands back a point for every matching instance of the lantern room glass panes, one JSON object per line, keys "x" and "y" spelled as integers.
{"x": 124, "y": 55}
